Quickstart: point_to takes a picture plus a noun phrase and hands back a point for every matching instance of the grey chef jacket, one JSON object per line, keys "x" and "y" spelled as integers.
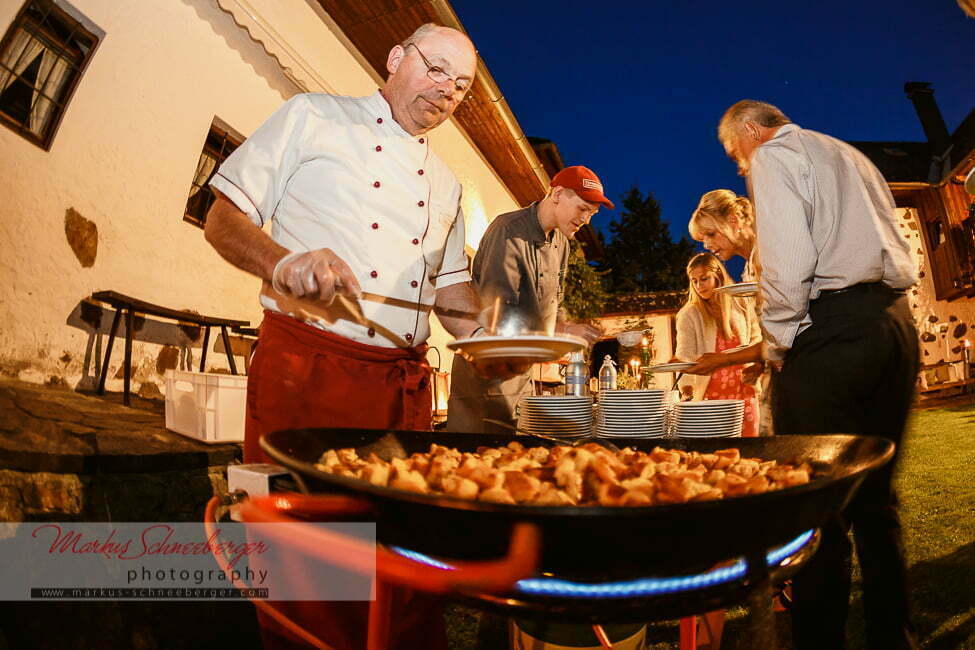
{"x": 517, "y": 262}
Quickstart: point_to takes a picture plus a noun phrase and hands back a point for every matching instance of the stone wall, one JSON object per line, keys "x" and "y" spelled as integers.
{"x": 67, "y": 457}
{"x": 178, "y": 495}
{"x": 164, "y": 496}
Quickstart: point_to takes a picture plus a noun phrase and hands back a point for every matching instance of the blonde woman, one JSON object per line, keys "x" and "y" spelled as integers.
{"x": 725, "y": 223}
{"x": 712, "y": 322}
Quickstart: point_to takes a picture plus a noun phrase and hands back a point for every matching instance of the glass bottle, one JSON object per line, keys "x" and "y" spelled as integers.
{"x": 577, "y": 375}
{"x": 607, "y": 374}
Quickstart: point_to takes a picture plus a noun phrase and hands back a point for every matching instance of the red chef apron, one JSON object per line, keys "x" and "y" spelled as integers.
{"x": 303, "y": 377}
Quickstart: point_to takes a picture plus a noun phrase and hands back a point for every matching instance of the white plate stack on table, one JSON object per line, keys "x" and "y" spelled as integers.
{"x": 632, "y": 414}
{"x": 718, "y": 418}
{"x": 561, "y": 416}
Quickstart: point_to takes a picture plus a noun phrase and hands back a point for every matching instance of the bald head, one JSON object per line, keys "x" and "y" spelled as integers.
{"x": 427, "y": 30}
{"x": 429, "y": 75}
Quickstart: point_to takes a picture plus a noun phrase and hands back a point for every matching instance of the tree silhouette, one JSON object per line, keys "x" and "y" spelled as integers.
{"x": 585, "y": 293}
{"x": 640, "y": 255}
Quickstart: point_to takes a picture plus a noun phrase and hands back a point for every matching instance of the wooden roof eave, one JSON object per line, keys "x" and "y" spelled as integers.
{"x": 905, "y": 193}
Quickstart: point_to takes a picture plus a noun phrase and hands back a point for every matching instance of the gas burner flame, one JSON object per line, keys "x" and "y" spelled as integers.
{"x": 639, "y": 588}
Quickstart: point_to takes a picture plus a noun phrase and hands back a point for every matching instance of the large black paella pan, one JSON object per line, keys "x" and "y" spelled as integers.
{"x": 595, "y": 543}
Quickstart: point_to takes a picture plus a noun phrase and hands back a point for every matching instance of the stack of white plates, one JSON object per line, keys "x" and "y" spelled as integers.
{"x": 564, "y": 416}
{"x": 718, "y": 418}
{"x": 632, "y": 414}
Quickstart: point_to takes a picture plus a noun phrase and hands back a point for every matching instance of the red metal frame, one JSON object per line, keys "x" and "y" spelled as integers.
{"x": 521, "y": 560}
{"x": 209, "y": 521}
{"x": 391, "y": 568}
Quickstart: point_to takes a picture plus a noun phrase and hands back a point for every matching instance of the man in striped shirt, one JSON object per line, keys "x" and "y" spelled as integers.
{"x": 837, "y": 326}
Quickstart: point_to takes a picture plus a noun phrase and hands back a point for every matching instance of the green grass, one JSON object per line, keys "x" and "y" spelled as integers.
{"x": 937, "y": 495}
{"x": 936, "y": 485}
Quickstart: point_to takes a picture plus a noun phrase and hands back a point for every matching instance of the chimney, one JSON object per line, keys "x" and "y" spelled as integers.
{"x": 922, "y": 95}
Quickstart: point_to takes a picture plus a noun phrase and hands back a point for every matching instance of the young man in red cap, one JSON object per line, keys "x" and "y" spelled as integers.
{"x": 519, "y": 266}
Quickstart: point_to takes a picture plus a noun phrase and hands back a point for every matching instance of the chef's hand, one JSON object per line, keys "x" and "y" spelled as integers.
{"x": 752, "y": 372}
{"x": 500, "y": 369}
{"x": 496, "y": 368}
{"x": 708, "y": 363}
{"x": 589, "y": 332}
{"x": 315, "y": 275}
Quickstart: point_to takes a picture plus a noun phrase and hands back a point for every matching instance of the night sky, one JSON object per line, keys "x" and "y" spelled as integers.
{"x": 634, "y": 89}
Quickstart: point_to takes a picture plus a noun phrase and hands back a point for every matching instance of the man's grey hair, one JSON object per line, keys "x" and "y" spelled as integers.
{"x": 421, "y": 32}
{"x": 748, "y": 110}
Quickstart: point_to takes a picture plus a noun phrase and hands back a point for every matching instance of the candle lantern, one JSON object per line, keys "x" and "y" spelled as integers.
{"x": 440, "y": 380}
{"x": 441, "y": 392}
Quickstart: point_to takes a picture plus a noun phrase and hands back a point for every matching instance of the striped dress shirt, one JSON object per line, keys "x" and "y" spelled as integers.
{"x": 826, "y": 221}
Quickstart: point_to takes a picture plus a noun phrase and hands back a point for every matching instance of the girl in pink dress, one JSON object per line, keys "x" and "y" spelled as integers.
{"x": 711, "y": 321}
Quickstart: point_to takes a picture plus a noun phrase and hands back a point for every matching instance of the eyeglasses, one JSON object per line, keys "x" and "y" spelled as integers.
{"x": 436, "y": 74}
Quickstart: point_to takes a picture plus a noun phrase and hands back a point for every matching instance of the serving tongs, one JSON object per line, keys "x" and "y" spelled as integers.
{"x": 561, "y": 441}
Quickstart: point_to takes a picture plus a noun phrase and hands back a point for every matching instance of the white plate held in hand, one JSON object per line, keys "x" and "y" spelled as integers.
{"x": 740, "y": 290}
{"x": 531, "y": 348}
{"x": 677, "y": 366}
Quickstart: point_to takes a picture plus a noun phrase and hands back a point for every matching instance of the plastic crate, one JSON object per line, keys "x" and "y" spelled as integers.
{"x": 207, "y": 406}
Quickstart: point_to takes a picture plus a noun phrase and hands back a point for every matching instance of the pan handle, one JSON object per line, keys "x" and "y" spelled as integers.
{"x": 319, "y": 505}
{"x": 521, "y": 560}
{"x": 209, "y": 522}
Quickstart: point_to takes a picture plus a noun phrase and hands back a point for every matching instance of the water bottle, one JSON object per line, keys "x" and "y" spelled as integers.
{"x": 607, "y": 374}
{"x": 576, "y": 375}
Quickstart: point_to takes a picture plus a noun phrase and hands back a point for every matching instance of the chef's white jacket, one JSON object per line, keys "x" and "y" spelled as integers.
{"x": 340, "y": 173}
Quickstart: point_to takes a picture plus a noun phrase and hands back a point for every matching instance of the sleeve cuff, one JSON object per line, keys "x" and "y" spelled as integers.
{"x": 238, "y": 197}
{"x": 452, "y": 277}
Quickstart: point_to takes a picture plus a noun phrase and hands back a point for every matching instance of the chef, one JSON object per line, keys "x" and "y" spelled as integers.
{"x": 358, "y": 202}
{"x": 520, "y": 267}
{"x": 360, "y": 206}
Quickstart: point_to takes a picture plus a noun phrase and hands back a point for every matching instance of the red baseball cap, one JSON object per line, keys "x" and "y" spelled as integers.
{"x": 584, "y": 182}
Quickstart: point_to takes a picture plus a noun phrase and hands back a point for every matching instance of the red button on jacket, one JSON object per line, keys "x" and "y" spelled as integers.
{"x": 374, "y": 274}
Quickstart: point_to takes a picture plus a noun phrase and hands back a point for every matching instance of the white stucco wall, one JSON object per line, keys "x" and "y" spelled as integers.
{"x": 124, "y": 157}
{"x": 949, "y": 323}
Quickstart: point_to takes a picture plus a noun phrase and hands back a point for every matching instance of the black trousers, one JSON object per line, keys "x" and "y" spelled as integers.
{"x": 853, "y": 371}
